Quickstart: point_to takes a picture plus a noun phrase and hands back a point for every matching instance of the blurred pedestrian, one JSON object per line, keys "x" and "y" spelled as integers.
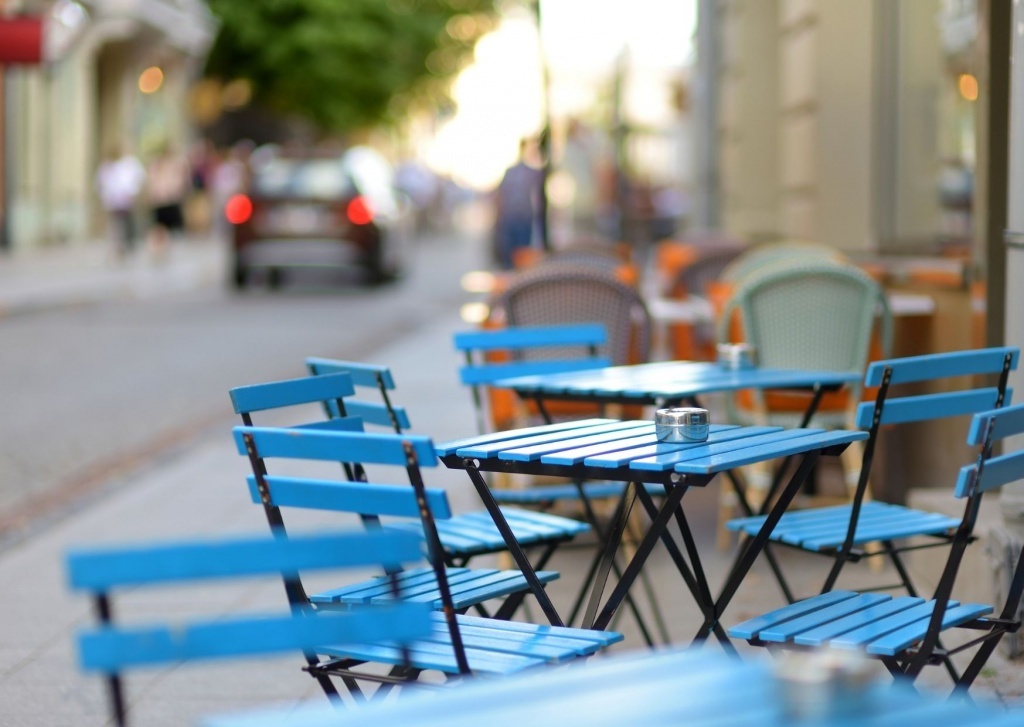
{"x": 517, "y": 201}
{"x": 119, "y": 180}
{"x": 168, "y": 183}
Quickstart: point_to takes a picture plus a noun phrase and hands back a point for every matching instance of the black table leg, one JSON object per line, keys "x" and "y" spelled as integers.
{"x": 654, "y": 533}
{"x": 536, "y": 587}
{"x": 753, "y": 546}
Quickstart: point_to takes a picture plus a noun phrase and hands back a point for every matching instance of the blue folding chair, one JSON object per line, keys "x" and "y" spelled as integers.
{"x": 111, "y": 648}
{"x": 364, "y": 376}
{"x": 842, "y": 532}
{"x": 460, "y": 644}
{"x": 463, "y": 536}
{"x": 904, "y": 631}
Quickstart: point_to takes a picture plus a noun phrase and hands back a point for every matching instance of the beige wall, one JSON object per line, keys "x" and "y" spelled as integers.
{"x": 748, "y": 118}
{"x": 804, "y": 146}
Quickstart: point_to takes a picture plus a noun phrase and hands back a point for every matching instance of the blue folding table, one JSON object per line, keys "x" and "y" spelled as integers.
{"x": 628, "y": 451}
{"x": 671, "y": 383}
{"x": 654, "y": 689}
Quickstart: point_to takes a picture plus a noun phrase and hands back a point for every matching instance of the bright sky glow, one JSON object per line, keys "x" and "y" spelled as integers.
{"x": 500, "y": 97}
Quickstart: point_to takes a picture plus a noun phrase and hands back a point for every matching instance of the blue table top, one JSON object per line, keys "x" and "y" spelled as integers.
{"x": 670, "y": 688}
{"x": 670, "y": 380}
{"x": 630, "y": 449}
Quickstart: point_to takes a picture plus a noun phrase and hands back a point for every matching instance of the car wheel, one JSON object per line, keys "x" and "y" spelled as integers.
{"x": 239, "y": 276}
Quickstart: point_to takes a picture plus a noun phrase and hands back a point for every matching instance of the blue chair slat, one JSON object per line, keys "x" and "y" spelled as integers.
{"x": 439, "y": 657}
{"x": 493, "y": 646}
{"x": 934, "y": 366}
{"x": 846, "y": 630}
{"x": 901, "y": 410}
{"x": 836, "y": 619}
{"x": 528, "y": 527}
{"x": 348, "y": 496}
{"x": 497, "y": 371}
{"x": 823, "y": 528}
{"x": 1008, "y": 422}
{"x": 751, "y": 628}
{"x": 346, "y": 424}
{"x": 276, "y": 394}
{"x": 468, "y": 587}
{"x": 110, "y": 650}
{"x": 363, "y": 374}
{"x": 483, "y": 586}
{"x": 452, "y": 447}
{"x": 998, "y": 471}
{"x": 872, "y": 629}
{"x": 413, "y": 581}
{"x": 373, "y": 413}
{"x": 103, "y": 568}
{"x": 529, "y": 336}
{"x": 895, "y": 642}
{"x": 361, "y": 447}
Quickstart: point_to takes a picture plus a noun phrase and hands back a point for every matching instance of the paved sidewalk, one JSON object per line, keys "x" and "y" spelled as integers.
{"x": 201, "y": 492}
{"x": 89, "y": 272}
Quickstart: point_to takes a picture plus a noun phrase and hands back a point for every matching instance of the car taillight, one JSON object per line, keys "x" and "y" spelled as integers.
{"x": 359, "y": 212}
{"x": 238, "y": 209}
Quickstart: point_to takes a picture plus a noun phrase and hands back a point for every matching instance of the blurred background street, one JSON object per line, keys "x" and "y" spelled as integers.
{"x": 196, "y": 195}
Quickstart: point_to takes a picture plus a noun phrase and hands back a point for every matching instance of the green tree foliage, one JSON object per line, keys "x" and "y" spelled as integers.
{"x": 346, "y": 65}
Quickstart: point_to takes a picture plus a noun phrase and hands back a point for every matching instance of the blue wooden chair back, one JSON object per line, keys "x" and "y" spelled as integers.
{"x": 247, "y": 400}
{"x": 110, "y": 648}
{"x": 364, "y": 376}
{"x": 494, "y": 354}
{"x": 931, "y": 367}
{"x": 407, "y": 451}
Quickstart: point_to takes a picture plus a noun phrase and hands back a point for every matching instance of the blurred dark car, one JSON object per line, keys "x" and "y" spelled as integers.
{"x": 318, "y": 212}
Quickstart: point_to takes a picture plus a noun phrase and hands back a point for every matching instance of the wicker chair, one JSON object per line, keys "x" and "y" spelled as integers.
{"x": 557, "y": 292}
{"x": 811, "y": 313}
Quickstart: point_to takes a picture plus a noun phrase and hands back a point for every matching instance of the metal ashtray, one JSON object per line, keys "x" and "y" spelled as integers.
{"x": 681, "y": 424}
{"x": 735, "y": 356}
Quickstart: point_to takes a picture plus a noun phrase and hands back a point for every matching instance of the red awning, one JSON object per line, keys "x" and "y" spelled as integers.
{"x": 21, "y": 40}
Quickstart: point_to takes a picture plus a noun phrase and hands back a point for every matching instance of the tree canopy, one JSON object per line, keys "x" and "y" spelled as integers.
{"x": 345, "y": 65}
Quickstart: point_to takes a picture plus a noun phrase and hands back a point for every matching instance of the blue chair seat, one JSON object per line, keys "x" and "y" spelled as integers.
{"x": 874, "y": 622}
{"x": 824, "y": 528}
{"x": 491, "y": 646}
{"x": 474, "y": 533}
{"x": 468, "y": 586}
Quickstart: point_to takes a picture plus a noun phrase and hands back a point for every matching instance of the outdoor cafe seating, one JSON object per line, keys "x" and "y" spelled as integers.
{"x": 905, "y": 632}
{"x": 462, "y": 537}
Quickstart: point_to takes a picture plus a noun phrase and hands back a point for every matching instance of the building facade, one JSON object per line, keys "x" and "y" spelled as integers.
{"x": 61, "y": 115}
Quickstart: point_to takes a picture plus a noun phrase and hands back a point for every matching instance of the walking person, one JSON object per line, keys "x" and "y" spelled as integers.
{"x": 517, "y": 206}
{"x": 119, "y": 181}
{"x": 169, "y": 181}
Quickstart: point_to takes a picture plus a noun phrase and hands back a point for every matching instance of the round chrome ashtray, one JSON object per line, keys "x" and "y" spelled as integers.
{"x": 681, "y": 424}
{"x": 736, "y": 355}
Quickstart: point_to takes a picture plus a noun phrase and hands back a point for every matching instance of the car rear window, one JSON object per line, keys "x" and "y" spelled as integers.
{"x": 313, "y": 179}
